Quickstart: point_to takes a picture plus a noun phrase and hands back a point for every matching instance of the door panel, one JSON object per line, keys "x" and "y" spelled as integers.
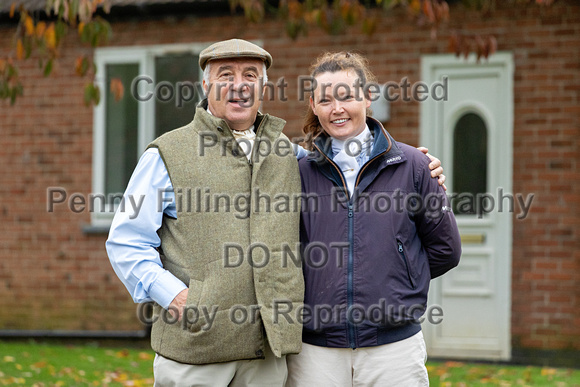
{"x": 475, "y": 126}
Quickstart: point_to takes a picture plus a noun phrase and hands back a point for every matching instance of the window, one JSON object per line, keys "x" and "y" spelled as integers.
{"x": 469, "y": 160}
{"x": 162, "y": 85}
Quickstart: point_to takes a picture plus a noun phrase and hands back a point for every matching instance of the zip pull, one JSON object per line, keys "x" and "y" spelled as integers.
{"x": 400, "y": 247}
{"x": 350, "y": 213}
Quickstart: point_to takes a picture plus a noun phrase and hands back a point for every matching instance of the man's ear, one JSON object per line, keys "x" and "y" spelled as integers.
{"x": 204, "y": 85}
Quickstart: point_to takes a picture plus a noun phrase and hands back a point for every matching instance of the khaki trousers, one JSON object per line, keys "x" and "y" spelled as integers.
{"x": 268, "y": 372}
{"x": 397, "y": 364}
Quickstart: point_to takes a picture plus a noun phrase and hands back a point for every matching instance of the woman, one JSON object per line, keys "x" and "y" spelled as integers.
{"x": 381, "y": 230}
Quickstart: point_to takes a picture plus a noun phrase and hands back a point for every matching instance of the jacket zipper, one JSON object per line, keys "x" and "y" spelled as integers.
{"x": 402, "y": 252}
{"x": 350, "y": 281}
{"x": 350, "y": 263}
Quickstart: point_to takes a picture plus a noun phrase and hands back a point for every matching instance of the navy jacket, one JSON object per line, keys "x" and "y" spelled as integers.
{"x": 368, "y": 259}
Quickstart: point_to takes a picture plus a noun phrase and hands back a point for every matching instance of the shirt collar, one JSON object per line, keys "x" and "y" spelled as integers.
{"x": 364, "y": 139}
{"x": 239, "y": 133}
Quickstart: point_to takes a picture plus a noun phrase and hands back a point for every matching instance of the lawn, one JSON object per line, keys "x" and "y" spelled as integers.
{"x": 37, "y": 364}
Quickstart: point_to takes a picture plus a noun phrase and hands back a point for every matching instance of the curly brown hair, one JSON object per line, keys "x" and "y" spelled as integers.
{"x": 332, "y": 62}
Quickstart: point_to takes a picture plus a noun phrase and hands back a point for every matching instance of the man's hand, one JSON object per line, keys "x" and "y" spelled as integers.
{"x": 435, "y": 167}
{"x": 178, "y": 304}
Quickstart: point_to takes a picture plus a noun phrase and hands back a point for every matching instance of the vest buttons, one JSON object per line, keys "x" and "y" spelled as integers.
{"x": 235, "y": 152}
{"x": 220, "y": 129}
{"x": 260, "y": 353}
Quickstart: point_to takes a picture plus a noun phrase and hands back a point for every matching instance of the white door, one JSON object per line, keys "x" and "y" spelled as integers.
{"x": 471, "y": 132}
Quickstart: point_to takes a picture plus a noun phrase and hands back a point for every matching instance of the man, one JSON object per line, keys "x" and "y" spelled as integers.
{"x": 217, "y": 260}
{"x": 222, "y": 328}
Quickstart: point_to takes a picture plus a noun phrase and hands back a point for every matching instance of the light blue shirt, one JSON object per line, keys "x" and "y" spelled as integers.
{"x": 361, "y": 146}
{"x": 133, "y": 240}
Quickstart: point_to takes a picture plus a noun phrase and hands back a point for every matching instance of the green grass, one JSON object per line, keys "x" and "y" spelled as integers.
{"x": 459, "y": 374}
{"x": 33, "y": 364}
{"x": 38, "y": 364}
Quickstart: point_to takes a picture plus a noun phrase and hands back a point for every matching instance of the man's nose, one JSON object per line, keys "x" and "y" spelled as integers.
{"x": 238, "y": 84}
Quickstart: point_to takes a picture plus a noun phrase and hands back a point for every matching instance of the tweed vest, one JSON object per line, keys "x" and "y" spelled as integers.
{"x": 234, "y": 243}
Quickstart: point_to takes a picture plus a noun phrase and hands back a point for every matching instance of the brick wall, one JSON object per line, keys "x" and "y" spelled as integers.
{"x": 52, "y": 276}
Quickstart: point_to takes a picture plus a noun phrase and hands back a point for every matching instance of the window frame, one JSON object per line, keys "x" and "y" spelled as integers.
{"x": 144, "y": 56}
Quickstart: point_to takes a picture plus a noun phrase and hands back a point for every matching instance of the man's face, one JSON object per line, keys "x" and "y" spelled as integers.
{"x": 233, "y": 93}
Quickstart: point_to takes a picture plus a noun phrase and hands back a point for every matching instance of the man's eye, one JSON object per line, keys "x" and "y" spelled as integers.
{"x": 324, "y": 100}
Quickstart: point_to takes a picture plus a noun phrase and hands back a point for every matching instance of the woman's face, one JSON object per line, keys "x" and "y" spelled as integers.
{"x": 340, "y": 104}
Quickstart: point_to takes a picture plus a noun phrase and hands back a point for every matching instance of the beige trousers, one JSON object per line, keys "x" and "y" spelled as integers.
{"x": 269, "y": 372}
{"x": 397, "y": 364}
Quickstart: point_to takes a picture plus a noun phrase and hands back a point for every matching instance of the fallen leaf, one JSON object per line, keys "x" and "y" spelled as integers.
{"x": 145, "y": 356}
{"x": 122, "y": 353}
{"x": 548, "y": 371}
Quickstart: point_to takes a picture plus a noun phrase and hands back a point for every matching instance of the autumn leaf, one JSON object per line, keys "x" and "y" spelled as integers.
{"x": 145, "y": 356}
{"x": 19, "y": 49}
{"x": 548, "y": 371}
{"x": 454, "y": 364}
{"x": 12, "y": 9}
{"x": 82, "y": 65}
{"x": 40, "y": 28}
{"x": 29, "y": 25}
{"x": 50, "y": 37}
{"x": 123, "y": 353}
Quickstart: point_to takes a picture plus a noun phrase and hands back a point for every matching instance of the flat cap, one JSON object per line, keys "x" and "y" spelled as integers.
{"x": 234, "y": 48}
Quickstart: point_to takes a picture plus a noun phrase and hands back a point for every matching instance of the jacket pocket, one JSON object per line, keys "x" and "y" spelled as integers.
{"x": 401, "y": 250}
{"x": 192, "y": 317}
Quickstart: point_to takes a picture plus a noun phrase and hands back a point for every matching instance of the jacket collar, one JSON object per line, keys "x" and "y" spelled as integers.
{"x": 383, "y": 144}
{"x": 385, "y": 152}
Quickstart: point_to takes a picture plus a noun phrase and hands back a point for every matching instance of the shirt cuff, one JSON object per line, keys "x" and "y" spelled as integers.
{"x": 165, "y": 289}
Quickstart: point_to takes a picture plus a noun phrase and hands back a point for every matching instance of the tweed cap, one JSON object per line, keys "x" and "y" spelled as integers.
{"x": 234, "y": 48}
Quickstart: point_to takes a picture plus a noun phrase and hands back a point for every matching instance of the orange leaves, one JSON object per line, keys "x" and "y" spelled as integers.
{"x": 429, "y": 12}
{"x": 40, "y": 28}
{"x": 334, "y": 16}
{"x": 145, "y": 356}
{"x": 43, "y": 39}
{"x": 28, "y": 25}
{"x": 19, "y": 49}
{"x": 50, "y": 37}
{"x": 462, "y": 44}
{"x": 253, "y": 9}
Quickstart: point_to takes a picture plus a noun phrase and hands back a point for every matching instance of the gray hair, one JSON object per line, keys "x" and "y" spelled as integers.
{"x": 207, "y": 70}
